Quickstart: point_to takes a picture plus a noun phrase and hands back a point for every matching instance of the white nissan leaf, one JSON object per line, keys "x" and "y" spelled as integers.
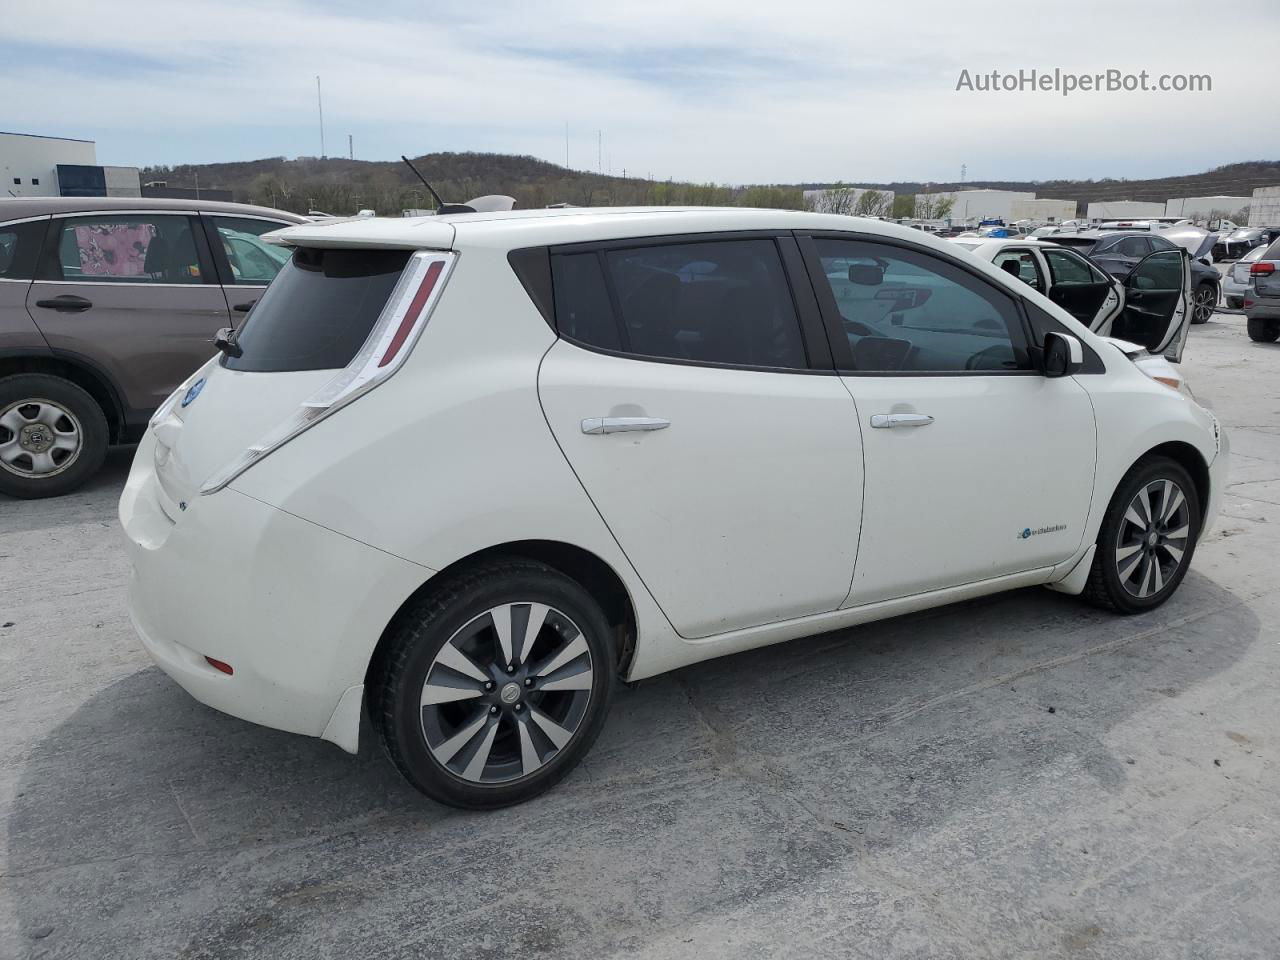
{"x": 467, "y": 471}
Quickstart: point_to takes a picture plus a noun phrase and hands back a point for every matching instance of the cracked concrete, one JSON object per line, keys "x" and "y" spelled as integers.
{"x": 1018, "y": 776}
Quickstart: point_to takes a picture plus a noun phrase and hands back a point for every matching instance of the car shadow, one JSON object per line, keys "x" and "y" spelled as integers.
{"x": 149, "y": 825}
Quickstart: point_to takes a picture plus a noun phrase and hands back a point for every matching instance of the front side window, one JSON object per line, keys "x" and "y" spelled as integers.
{"x": 907, "y": 310}
{"x": 253, "y": 262}
{"x": 125, "y": 248}
{"x": 1160, "y": 271}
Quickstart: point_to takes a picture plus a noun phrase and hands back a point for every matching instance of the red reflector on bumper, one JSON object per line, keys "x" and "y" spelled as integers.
{"x": 219, "y": 665}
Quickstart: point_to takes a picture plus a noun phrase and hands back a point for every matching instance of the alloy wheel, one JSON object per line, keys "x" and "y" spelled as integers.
{"x": 38, "y": 438}
{"x": 1205, "y": 302}
{"x": 1153, "y": 538}
{"x": 506, "y": 693}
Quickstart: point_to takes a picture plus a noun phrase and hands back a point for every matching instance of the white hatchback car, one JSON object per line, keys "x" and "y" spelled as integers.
{"x": 468, "y": 470}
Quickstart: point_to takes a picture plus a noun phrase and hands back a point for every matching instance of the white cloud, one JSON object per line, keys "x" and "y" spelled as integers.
{"x": 807, "y": 90}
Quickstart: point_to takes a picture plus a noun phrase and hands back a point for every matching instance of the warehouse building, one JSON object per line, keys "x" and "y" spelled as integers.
{"x": 1044, "y": 209}
{"x": 1205, "y": 208}
{"x": 1264, "y": 207}
{"x": 1124, "y": 209}
{"x": 971, "y": 206}
{"x": 36, "y": 166}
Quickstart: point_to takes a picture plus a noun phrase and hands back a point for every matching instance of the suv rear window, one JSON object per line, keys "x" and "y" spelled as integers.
{"x": 318, "y": 311}
{"x": 19, "y": 244}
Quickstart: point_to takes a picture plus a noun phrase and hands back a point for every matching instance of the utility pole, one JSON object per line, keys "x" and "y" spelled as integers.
{"x": 197, "y": 184}
{"x": 599, "y": 151}
{"x": 566, "y": 144}
{"x": 320, "y": 108}
{"x": 351, "y": 150}
{"x": 963, "y": 168}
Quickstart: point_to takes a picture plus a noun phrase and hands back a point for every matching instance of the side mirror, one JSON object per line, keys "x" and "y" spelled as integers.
{"x": 866, "y": 274}
{"x": 1063, "y": 355}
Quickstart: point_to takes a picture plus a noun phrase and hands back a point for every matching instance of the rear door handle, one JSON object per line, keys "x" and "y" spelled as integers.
{"x": 885, "y": 421}
{"x": 598, "y": 425}
{"x": 65, "y": 303}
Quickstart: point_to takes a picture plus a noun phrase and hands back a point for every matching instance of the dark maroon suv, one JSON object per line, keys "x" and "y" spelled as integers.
{"x": 106, "y": 305}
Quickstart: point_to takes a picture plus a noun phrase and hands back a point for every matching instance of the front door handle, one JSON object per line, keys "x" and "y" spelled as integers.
{"x": 67, "y": 303}
{"x": 599, "y": 425}
{"x": 885, "y": 421}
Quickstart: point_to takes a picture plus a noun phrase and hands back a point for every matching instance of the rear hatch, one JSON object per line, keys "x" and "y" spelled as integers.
{"x": 1265, "y": 273}
{"x": 310, "y": 324}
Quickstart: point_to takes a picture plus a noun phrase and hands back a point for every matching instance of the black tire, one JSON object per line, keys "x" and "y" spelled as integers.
{"x": 1234, "y": 303}
{"x": 1263, "y": 330}
{"x": 401, "y": 669}
{"x": 1105, "y": 588}
{"x": 1206, "y": 295}
{"x": 25, "y": 392}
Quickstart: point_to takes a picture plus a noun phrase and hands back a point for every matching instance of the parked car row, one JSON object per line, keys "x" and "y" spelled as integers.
{"x": 1262, "y": 297}
{"x": 105, "y": 306}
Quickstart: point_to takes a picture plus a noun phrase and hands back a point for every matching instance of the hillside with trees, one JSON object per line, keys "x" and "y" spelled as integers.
{"x": 341, "y": 186}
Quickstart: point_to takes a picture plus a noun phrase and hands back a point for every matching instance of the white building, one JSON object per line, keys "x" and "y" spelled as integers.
{"x": 1050, "y": 211}
{"x": 837, "y": 199}
{"x": 973, "y": 205}
{"x": 1264, "y": 207}
{"x": 36, "y": 166}
{"x": 1203, "y": 208}
{"x": 1124, "y": 209}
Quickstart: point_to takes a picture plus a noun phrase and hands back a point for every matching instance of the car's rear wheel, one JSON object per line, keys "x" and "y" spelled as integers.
{"x": 1234, "y": 303}
{"x": 53, "y": 436}
{"x": 1147, "y": 538}
{"x": 1262, "y": 330}
{"x": 493, "y": 687}
{"x": 1205, "y": 302}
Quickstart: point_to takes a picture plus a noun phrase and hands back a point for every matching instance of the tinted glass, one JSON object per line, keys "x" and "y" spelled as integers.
{"x": 1272, "y": 252}
{"x": 125, "y": 248}
{"x": 1160, "y": 271}
{"x": 1132, "y": 247}
{"x": 583, "y": 311}
{"x": 252, "y": 262}
{"x": 1067, "y": 268}
{"x": 717, "y": 302}
{"x": 908, "y": 310}
{"x": 1160, "y": 243}
{"x": 319, "y": 310}
{"x": 19, "y": 245}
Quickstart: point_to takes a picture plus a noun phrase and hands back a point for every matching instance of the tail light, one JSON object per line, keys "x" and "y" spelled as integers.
{"x": 1262, "y": 268}
{"x": 389, "y": 343}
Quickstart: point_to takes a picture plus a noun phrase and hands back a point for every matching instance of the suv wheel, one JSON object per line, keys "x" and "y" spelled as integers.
{"x": 1262, "y": 330}
{"x": 495, "y": 686}
{"x": 1205, "y": 302}
{"x": 1148, "y": 536}
{"x": 53, "y": 436}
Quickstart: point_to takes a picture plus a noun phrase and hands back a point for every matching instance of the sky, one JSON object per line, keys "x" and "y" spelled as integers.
{"x": 702, "y": 90}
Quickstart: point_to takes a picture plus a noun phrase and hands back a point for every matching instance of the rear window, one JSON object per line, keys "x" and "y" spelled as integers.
{"x": 1273, "y": 252}
{"x": 318, "y": 311}
{"x": 19, "y": 243}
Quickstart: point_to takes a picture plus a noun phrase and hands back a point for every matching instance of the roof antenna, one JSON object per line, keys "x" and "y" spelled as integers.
{"x": 441, "y": 206}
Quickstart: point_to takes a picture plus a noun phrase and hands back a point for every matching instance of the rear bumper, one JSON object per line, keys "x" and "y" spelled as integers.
{"x": 1262, "y": 308}
{"x": 294, "y": 608}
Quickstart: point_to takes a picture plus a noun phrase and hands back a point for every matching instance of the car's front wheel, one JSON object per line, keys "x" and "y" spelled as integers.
{"x": 1262, "y": 330}
{"x": 53, "y": 436}
{"x": 494, "y": 686}
{"x": 1205, "y": 302}
{"x": 1147, "y": 538}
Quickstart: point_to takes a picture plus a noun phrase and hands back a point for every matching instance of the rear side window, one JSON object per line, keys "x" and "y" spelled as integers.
{"x": 717, "y": 302}
{"x": 1068, "y": 268}
{"x": 318, "y": 311}
{"x": 252, "y": 262}
{"x": 583, "y": 309}
{"x": 19, "y": 248}
{"x": 723, "y": 301}
{"x": 125, "y": 248}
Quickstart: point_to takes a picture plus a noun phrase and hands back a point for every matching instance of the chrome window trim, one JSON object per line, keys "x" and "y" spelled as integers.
{"x": 122, "y": 283}
{"x": 125, "y": 213}
{"x": 14, "y": 223}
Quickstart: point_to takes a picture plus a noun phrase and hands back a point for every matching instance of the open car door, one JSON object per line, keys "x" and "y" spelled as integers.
{"x": 1157, "y": 304}
{"x": 1083, "y": 290}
